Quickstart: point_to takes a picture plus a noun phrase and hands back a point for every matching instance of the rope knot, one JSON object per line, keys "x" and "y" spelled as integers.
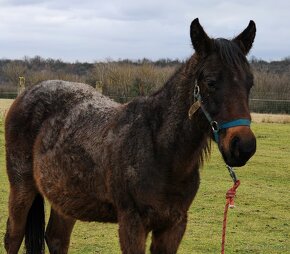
{"x": 231, "y": 193}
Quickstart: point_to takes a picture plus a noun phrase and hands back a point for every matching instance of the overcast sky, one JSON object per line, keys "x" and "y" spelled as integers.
{"x": 96, "y": 30}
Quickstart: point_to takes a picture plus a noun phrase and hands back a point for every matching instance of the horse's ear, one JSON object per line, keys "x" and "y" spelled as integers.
{"x": 200, "y": 40}
{"x": 246, "y": 38}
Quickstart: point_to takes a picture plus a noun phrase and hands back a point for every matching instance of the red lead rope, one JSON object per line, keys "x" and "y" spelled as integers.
{"x": 230, "y": 195}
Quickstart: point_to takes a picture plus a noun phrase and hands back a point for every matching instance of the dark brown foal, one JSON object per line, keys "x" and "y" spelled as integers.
{"x": 135, "y": 164}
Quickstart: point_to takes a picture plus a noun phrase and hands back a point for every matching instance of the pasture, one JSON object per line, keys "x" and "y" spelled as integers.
{"x": 260, "y": 223}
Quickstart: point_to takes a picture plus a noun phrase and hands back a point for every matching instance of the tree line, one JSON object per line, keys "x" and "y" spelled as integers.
{"x": 124, "y": 79}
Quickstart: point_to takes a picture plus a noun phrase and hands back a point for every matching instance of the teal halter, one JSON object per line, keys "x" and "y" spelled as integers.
{"x": 216, "y": 127}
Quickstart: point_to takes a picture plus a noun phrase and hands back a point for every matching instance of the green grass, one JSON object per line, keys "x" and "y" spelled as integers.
{"x": 260, "y": 223}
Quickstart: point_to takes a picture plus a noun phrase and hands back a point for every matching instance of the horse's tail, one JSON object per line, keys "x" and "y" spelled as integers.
{"x": 35, "y": 226}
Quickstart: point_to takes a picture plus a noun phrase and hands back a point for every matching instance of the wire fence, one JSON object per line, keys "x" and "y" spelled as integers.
{"x": 270, "y": 106}
{"x": 257, "y": 105}
{"x": 270, "y": 102}
{"x": 8, "y": 95}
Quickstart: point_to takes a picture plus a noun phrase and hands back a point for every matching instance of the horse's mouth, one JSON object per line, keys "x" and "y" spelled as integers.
{"x": 234, "y": 162}
{"x": 238, "y": 149}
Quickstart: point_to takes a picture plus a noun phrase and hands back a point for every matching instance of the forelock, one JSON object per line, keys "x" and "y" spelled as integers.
{"x": 230, "y": 53}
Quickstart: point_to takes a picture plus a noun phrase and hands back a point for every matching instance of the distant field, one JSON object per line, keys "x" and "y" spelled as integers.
{"x": 259, "y": 224}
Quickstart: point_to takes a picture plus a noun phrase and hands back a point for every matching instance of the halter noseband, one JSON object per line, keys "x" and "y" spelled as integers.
{"x": 215, "y": 126}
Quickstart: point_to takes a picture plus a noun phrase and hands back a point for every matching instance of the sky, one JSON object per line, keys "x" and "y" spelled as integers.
{"x": 134, "y": 29}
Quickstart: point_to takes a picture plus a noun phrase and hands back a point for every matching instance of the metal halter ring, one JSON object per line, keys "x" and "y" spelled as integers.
{"x": 196, "y": 91}
{"x": 215, "y": 126}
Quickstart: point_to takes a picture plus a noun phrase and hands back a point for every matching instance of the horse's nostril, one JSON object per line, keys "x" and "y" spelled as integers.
{"x": 234, "y": 147}
{"x": 248, "y": 149}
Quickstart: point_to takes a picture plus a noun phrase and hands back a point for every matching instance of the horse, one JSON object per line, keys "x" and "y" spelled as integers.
{"x": 135, "y": 164}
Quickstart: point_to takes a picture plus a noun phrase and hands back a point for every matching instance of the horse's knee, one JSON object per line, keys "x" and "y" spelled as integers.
{"x": 168, "y": 240}
{"x": 54, "y": 244}
{"x": 58, "y": 231}
{"x": 132, "y": 234}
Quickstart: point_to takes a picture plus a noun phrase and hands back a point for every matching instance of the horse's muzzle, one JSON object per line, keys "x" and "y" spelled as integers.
{"x": 238, "y": 145}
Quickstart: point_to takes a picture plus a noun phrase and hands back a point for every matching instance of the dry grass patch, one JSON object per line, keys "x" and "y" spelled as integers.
{"x": 270, "y": 118}
{"x": 4, "y": 106}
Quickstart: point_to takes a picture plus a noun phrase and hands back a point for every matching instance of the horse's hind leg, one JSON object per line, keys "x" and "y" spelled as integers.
{"x": 25, "y": 204}
{"x": 20, "y": 201}
{"x": 58, "y": 232}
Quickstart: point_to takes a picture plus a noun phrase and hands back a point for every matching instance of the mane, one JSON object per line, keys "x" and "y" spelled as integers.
{"x": 180, "y": 83}
{"x": 230, "y": 53}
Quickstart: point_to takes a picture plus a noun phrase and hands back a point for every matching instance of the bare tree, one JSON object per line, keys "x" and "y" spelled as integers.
{"x": 14, "y": 70}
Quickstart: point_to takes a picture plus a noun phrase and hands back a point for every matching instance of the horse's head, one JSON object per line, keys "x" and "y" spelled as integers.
{"x": 223, "y": 81}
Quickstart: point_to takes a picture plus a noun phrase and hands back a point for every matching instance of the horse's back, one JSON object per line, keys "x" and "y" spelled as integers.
{"x": 49, "y": 104}
{"x": 46, "y": 100}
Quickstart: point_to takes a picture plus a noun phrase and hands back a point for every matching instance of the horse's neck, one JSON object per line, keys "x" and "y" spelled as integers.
{"x": 181, "y": 139}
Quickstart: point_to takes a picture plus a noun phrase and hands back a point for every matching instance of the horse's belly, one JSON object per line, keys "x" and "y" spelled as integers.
{"x": 81, "y": 193}
{"x": 86, "y": 209}
{"x": 78, "y": 202}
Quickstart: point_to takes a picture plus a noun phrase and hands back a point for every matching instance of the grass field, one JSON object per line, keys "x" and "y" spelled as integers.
{"x": 260, "y": 223}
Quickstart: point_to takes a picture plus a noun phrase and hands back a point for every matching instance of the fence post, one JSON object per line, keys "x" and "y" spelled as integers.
{"x": 99, "y": 86}
{"x": 21, "y": 85}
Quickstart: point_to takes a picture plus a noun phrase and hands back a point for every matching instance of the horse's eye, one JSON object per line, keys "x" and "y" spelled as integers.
{"x": 211, "y": 83}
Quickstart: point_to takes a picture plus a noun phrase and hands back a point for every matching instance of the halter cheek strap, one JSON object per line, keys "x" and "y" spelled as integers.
{"x": 216, "y": 127}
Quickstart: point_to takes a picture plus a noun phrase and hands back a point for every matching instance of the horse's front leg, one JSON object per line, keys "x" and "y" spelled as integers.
{"x": 166, "y": 241}
{"x": 132, "y": 233}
